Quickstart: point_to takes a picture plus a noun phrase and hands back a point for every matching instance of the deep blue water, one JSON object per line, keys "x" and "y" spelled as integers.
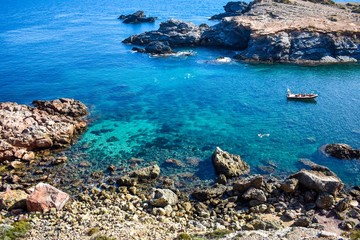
{"x": 174, "y": 107}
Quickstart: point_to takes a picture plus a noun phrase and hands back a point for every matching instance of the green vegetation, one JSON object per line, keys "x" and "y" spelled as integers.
{"x": 14, "y": 231}
{"x": 218, "y": 234}
{"x": 211, "y": 235}
{"x": 92, "y": 231}
{"x": 283, "y": 1}
{"x": 103, "y": 237}
{"x": 183, "y": 236}
{"x": 355, "y": 234}
{"x": 326, "y": 2}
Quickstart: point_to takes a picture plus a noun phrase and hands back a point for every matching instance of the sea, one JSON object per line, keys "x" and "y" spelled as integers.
{"x": 173, "y": 111}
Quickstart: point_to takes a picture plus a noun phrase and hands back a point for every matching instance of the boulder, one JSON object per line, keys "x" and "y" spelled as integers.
{"x": 163, "y": 197}
{"x": 13, "y": 199}
{"x": 289, "y": 185}
{"x": 158, "y": 48}
{"x": 44, "y": 197}
{"x": 244, "y": 184}
{"x": 318, "y": 181}
{"x": 147, "y": 173}
{"x": 137, "y": 17}
{"x": 255, "y": 194}
{"x": 325, "y": 201}
{"x": 232, "y": 9}
{"x": 229, "y": 164}
{"x": 342, "y": 151}
{"x": 208, "y": 193}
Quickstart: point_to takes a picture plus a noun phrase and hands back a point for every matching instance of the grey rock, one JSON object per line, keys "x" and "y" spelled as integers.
{"x": 229, "y": 164}
{"x": 318, "y": 181}
{"x": 303, "y": 221}
{"x": 289, "y": 185}
{"x": 243, "y": 184}
{"x": 325, "y": 201}
{"x": 342, "y": 151}
{"x": 232, "y": 9}
{"x": 158, "y": 48}
{"x": 147, "y": 173}
{"x": 255, "y": 194}
{"x": 209, "y": 193}
{"x": 137, "y": 17}
{"x": 163, "y": 197}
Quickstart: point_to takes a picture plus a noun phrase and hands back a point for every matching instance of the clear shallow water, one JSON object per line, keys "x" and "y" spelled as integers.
{"x": 177, "y": 107}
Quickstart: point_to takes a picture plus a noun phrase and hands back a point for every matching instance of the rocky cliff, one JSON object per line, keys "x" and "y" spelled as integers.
{"x": 283, "y": 31}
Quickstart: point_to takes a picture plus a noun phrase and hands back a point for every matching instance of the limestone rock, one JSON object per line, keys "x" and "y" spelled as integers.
{"x": 13, "y": 199}
{"x": 163, "y": 197}
{"x": 147, "y": 173}
{"x": 229, "y": 164}
{"x": 318, "y": 181}
{"x": 289, "y": 185}
{"x": 209, "y": 193}
{"x": 255, "y": 194}
{"x": 342, "y": 151}
{"x": 49, "y": 124}
{"x": 325, "y": 201}
{"x": 243, "y": 184}
{"x": 44, "y": 197}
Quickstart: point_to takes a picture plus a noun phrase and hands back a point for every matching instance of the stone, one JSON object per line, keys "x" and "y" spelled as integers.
{"x": 289, "y": 185}
{"x": 288, "y": 215}
{"x": 158, "y": 48}
{"x": 303, "y": 221}
{"x": 255, "y": 181}
{"x": 13, "y": 199}
{"x": 163, "y": 197}
{"x": 204, "y": 194}
{"x": 325, "y": 201}
{"x": 343, "y": 205}
{"x": 147, "y": 173}
{"x": 342, "y": 151}
{"x": 232, "y": 9}
{"x": 48, "y": 124}
{"x": 44, "y": 197}
{"x": 229, "y": 164}
{"x": 255, "y": 194}
{"x": 137, "y": 17}
{"x": 126, "y": 181}
{"x": 318, "y": 181}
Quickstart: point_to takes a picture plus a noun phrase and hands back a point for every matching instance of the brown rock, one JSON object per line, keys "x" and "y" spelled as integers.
{"x": 229, "y": 164}
{"x": 243, "y": 184}
{"x": 45, "y": 197}
{"x": 147, "y": 173}
{"x": 289, "y": 185}
{"x": 13, "y": 199}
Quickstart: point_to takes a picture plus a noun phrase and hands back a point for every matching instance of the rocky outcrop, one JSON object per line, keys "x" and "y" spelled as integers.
{"x": 229, "y": 164}
{"x": 44, "y": 197}
{"x": 155, "y": 48}
{"x": 177, "y": 33}
{"x": 203, "y": 194}
{"x": 271, "y": 32}
{"x": 50, "y": 124}
{"x": 147, "y": 173}
{"x": 137, "y": 17}
{"x": 342, "y": 151}
{"x": 232, "y": 9}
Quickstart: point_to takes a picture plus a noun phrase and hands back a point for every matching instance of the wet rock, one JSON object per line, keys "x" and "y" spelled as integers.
{"x": 229, "y": 164}
{"x": 13, "y": 199}
{"x": 325, "y": 201}
{"x": 163, "y": 197}
{"x": 126, "y": 181}
{"x": 209, "y": 193}
{"x": 289, "y": 185}
{"x": 44, "y": 197}
{"x": 243, "y": 184}
{"x": 177, "y": 33}
{"x": 147, "y": 173}
{"x": 137, "y": 17}
{"x": 158, "y": 48}
{"x": 318, "y": 181}
{"x": 342, "y": 151}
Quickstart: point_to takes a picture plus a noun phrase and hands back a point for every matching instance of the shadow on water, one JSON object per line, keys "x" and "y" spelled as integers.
{"x": 206, "y": 170}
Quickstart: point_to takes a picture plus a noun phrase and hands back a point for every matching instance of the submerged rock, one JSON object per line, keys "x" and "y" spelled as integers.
{"x": 229, "y": 164}
{"x": 342, "y": 151}
{"x": 44, "y": 197}
{"x": 137, "y": 17}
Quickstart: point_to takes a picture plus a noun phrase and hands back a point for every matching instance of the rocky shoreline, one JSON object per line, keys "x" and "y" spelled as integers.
{"x": 143, "y": 204}
{"x": 269, "y": 31}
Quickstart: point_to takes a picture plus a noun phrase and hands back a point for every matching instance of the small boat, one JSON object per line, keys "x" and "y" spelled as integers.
{"x": 301, "y": 96}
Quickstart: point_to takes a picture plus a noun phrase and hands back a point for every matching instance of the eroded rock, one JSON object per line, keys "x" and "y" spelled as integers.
{"x": 229, "y": 164}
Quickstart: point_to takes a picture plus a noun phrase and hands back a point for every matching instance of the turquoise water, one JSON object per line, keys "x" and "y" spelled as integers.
{"x": 158, "y": 108}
